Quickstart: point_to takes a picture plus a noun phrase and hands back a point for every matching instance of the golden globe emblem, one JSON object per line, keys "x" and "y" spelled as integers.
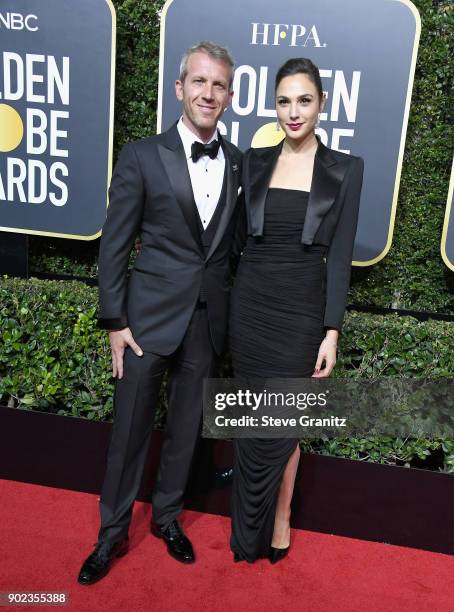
{"x": 11, "y": 128}
{"x": 267, "y": 136}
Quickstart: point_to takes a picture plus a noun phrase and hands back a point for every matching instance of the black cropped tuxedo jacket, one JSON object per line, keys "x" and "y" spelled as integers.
{"x": 331, "y": 218}
{"x": 151, "y": 194}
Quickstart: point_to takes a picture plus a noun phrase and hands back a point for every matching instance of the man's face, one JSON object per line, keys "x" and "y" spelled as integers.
{"x": 204, "y": 92}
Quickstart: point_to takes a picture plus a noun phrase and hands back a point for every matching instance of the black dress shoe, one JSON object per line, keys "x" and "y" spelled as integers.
{"x": 98, "y": 563}
{"x": 178, "y": 545}
{"x": 277, "y": 554}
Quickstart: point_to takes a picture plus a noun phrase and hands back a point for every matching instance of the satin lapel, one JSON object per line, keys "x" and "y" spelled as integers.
{"x": 176, "y": 167}
{"x": 261, "y": 166}
{"x": 327, "y": 178}
{"x": 232, "y": 179}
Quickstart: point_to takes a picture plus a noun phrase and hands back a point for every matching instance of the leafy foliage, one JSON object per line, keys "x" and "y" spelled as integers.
{"x": 373, "y": 346}
{"x": 413, "y": 275}
{"x": 53, "y": 358}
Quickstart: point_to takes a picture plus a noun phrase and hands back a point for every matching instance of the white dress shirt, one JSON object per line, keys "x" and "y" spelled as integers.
{"x": 207, "y": 175}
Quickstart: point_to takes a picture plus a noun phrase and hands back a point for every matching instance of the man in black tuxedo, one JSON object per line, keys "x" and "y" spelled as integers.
{"x": 179, "y": 191}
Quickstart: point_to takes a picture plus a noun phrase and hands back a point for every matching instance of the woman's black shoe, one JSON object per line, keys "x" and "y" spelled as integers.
{"x": 276, "y": 554}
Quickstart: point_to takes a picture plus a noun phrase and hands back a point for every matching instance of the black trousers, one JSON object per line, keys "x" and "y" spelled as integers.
{"x": 135, "y": 400}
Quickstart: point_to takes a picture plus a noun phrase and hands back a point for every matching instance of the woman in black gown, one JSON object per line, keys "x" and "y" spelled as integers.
{"x": 289, "y": 296}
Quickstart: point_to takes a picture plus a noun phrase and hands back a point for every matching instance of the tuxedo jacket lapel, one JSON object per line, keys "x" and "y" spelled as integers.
{"x": 327, "y": 177}
{"x": 326, "y": 181}
{"x": 232, "y": 183}
{"x": 175, "y": 164}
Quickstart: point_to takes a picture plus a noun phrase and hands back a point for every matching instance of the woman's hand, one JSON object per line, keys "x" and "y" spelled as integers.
{"x": 326, "y": 355}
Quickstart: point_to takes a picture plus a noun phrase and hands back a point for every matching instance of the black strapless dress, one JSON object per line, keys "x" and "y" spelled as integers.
{"x": 276, "y": 327}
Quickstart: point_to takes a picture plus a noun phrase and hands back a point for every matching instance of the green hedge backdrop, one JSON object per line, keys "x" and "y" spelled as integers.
{"x": 54, "y": 358}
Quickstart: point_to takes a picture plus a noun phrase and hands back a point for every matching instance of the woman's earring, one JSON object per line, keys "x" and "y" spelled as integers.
{"x": 318, "y": 121}
{"x": 278, "y": 126}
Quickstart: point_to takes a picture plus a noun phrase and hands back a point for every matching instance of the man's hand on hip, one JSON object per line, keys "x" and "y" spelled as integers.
{"x": 119, "y": 340}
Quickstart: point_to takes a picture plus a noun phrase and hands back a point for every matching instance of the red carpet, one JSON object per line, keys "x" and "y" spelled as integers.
{"x": 47, "y": 533}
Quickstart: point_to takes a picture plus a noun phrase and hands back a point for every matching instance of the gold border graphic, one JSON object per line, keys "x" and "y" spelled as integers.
{"x": 444, "y": 234}
{"x": 109, "y": 161}
{"x": 395, "y": 196}
{"x": 162, "y": 37}
{"x": 403, "y": 136}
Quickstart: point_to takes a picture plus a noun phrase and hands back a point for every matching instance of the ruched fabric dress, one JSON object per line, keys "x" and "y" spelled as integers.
{"x": 276, "y": 327}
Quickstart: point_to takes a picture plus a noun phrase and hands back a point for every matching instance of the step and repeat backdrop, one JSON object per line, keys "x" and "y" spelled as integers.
{"x": 57, "y": 82}
{"x": 56, "y": 115}
{"x": 366, "y": 52}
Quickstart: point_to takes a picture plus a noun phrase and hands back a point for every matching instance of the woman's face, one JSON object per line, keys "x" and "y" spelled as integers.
{"x": 297, "y": 106}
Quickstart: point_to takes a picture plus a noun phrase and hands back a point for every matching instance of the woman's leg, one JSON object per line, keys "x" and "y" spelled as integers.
{"x": 281, "y": 534}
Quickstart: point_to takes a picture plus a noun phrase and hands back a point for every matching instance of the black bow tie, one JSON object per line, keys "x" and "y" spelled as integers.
{"x": 198, "y": 149}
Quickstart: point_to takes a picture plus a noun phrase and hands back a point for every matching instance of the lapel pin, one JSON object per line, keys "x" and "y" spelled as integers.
{"x": 235, "y": 167}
